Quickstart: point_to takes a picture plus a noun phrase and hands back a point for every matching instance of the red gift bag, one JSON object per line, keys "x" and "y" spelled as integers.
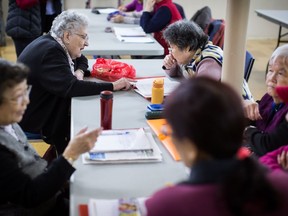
{"x": 24, "y": 4}
{"x": 111, "y": 70}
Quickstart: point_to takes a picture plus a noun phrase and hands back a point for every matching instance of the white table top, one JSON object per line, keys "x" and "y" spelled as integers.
{"x": 279, "y": 17}
{"x": 102, "y": 43}
{"x": 111, "y": 181}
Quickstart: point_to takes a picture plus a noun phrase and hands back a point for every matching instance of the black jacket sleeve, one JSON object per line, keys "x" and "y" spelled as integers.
{"x": 17, "y": 187}
{"x": 82, "y": 63}
{"x": 262, "y": 142}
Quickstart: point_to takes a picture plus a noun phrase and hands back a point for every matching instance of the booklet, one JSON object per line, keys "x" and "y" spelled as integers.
{"x": 150, "y": 153}
{"x": 117, "y": 207}
{"x": 132, "y": 35}
{"x": 144, "y": 86}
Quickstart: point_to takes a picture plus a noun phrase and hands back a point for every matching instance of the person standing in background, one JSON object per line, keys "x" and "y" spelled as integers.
{"x": 23, "y": 24}
{"x": 49, "y": 10}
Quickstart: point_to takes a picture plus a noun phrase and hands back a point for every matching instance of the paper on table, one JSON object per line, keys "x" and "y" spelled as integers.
{"x": 122, "y": 140}
{"x": 144, "y": 86}
{"x": 130, "y": 32}
{"x": 135, "y": 39}
{"x": 132, "y": 35}
{"x": 139, "y": 156}
{"x": 156, "y": 125}
{"x": 107, "y": 10}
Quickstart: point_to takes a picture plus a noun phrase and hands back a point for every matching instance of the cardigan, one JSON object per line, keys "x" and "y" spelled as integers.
{"x": 53, "y": 87}
{"x": 270, "y": 159}
{"x": 270, "y": 133}
{"x": 26, "y": 185}
{"x": 201, "y": 195}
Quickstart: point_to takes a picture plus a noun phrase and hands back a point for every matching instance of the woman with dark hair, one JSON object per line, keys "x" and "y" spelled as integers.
{"x": 207, "y": 132}
{"x": 191, "y": 54}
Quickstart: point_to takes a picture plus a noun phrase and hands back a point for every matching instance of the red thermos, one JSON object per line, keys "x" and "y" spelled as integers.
{"x": 106, "y": 102}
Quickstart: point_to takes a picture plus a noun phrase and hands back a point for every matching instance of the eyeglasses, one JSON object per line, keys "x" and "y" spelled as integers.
{"x": 19, "y": 99}
{"x": 84, "y": 37}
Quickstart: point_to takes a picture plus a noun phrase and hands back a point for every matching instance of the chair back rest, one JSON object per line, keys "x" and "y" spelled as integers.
{"x": 249, "y": 61}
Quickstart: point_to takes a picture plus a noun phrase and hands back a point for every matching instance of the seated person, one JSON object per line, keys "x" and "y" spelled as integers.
{"x": 268, "y": 130}
{"x": 57, "y": 71}
{"x": 27, "y": 185}
{"x": 207, "y": 132}
{"x": 157, "y": 15}
{"x": 192, "y": 54}
{"x": 130, "y": 13}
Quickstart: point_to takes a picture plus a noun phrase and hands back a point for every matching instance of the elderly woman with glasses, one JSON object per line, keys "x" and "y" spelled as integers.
{"x": 27, "y": 185}
{"x": 57, "y": 70}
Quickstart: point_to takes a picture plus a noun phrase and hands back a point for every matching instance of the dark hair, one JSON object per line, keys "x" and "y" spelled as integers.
{"x": 184, "y": 33}
{"x": 210, "y": 114}
{"x": 11, "y": 74}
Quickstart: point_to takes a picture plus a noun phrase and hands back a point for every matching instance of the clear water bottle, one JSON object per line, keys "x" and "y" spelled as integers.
{"x": 106, "y": 103}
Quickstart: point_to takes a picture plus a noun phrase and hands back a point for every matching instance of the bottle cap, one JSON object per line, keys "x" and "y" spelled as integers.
{"x": 158, "y": 83}
{"x": 106, "y": 94}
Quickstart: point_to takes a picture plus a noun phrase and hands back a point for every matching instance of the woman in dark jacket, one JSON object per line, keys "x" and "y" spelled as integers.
{"x": 23, "y": 25}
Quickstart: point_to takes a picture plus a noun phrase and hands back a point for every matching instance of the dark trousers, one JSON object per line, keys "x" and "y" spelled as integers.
{"x": 21, "y": 43}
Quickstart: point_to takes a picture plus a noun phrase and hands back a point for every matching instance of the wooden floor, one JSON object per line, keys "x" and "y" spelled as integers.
{"x": 260, "y": 49}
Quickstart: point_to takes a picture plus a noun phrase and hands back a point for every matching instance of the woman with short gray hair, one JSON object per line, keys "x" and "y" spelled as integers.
{"x": 57, "y": 70}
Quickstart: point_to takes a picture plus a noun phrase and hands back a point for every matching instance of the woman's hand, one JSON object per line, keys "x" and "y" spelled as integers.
{"x": 251, "y": 110}
{"x": 79, "y": 74}
{"x": 121, "y": 84}
{"x": 149, "y": 7}
{"x": 169, "y": 61}
{"x": 122, "y": 8}
{"x": 83, "y": 142}
{"x": 283, "y": 160}
{"x": 117, "y": 19}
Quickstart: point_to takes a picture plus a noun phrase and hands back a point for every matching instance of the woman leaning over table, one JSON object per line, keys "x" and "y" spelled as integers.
{"x": 57, "y": 70}
{"x": 27, "y": 185}
{"x": 207, "y": 132}
{"x": 192, "y": 54}
{"x": 268, "y": 127}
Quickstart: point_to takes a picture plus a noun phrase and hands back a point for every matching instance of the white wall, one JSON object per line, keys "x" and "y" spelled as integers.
{"x": 258, "y": 27}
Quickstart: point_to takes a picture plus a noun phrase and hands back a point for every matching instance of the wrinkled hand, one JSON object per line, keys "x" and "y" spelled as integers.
{"x": 117, "y": 19}
{"x": 79, "y": 74}
{"x": 122, "y": 8}
{"x": 251, "y": 110}
{"x": 169, "y": 61}
{"x": 121, "y": 84}
{"x": 150, "y": 5}
{"x": 283, "y": 160}
{"x": 83, "y": 142}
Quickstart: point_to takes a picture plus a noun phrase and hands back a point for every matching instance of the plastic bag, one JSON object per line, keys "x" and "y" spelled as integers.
{"x": 111, "y": 70}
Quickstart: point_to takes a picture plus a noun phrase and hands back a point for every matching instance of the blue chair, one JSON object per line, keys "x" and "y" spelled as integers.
{"x": 249, "y": 61}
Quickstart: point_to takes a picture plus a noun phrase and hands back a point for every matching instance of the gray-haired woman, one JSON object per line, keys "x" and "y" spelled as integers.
{"x": 57, "y": 69}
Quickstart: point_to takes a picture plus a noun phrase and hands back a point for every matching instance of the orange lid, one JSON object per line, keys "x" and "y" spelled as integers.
{"x": 158, "y": 83}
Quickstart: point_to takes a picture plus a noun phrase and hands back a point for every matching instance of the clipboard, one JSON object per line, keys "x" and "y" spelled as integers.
{"x": 156, "y": 125}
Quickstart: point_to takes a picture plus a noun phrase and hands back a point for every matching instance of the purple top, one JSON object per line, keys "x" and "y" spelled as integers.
{"x": 204, "y": 199}
{"x": 270, "y": 159}
{"x": 135, "y": 5}
{"x": 265, "y": 107}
